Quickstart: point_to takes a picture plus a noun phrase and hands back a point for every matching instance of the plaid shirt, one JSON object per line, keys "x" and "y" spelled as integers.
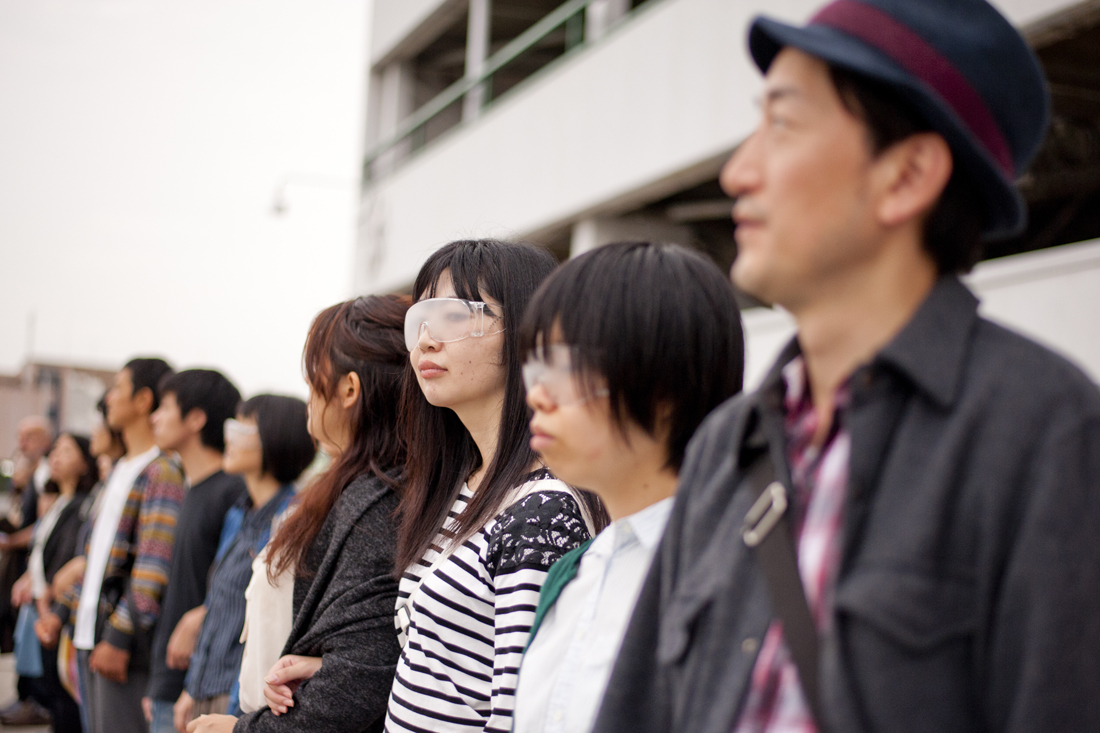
{"x": 819, "y": 475}
{"x": 146, "y": 533}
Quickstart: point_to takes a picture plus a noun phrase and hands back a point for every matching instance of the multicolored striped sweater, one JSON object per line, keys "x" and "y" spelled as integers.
{"x": 144, "y": 541}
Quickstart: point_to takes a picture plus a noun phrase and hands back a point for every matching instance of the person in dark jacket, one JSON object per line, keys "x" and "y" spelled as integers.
{"x": 924, "y": 479}
{"x": 72, "y": 475}
{"x": 340, "y": 541}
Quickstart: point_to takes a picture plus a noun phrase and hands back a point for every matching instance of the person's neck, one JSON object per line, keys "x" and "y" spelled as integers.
{"x": 261, "y": 488}
{"x": 638, "y": 489}
{"x": 482, "y": 420}
{"x": 67, "y": 488}
{"x": 852, "y": 317}
{"x": 200, "y": 462}
{"x": 138, "y": 437}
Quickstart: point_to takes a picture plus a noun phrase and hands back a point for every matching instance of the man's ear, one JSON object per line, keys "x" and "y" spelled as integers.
{"x": 143, "y": 400}
{"x": 349, "y": 389}
{"x": 912, "y": 175}
{"x": 195, "y": 420}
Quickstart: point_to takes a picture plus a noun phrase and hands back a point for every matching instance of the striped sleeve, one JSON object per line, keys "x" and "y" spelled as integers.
{"x": 526, "y": 540}
{"x": 160, "y": 487}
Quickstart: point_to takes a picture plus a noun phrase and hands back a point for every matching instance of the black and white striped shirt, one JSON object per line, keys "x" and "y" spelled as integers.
{"x": 471, "y": 616}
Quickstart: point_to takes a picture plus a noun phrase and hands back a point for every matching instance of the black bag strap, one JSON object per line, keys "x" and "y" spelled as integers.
{"x": 767, "y": 533}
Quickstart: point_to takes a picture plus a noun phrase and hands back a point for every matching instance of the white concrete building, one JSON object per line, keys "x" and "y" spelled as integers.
{"x": 578, "y": 123}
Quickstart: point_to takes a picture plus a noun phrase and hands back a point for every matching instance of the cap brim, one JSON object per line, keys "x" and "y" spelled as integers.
{"x": 1006, "y": 213}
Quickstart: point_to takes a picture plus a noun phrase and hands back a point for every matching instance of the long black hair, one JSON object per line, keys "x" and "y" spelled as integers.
{"x": 441, "y": 453}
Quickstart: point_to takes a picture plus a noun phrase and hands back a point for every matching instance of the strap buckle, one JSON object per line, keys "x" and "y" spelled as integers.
{"x": 765, "y": 514}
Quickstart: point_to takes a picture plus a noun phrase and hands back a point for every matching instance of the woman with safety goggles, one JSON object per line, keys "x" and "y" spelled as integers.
{"x": 481, "y": 520}
{"x": 628, "y": 348}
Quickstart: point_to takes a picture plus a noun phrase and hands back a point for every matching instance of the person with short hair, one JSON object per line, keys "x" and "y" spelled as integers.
{"x": 898, "y": 530}
{"x": 191, "y": 422}
{"x": 269, "y": 445}
{"x": 481, "y": 520}
{"x": 629, "y": 346}
{"x": 128, "y": 554}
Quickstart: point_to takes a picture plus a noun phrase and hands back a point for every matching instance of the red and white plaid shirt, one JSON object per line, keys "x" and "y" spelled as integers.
{"x": 819, "y": 477}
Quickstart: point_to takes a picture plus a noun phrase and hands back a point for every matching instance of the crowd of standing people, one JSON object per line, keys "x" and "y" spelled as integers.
{"x": 546, "y": 505}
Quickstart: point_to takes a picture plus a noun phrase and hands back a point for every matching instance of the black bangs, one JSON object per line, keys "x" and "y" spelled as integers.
{"x": 657, "y": 322}
{"x": 285, "y": 442}
{"x": 441, "y": 453}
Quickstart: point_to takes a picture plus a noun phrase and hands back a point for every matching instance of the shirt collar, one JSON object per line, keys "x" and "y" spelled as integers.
{"x": 648, "y": 524}
{"x": 930, "y": 350}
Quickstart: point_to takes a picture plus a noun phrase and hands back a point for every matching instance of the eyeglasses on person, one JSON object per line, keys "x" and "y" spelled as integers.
{"x": 447, "y": 320}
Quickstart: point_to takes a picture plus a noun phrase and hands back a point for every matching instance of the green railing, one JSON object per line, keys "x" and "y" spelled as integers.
{"x": 569, "y": 14}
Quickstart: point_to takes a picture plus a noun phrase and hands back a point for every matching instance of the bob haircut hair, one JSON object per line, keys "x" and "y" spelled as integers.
{"x": 147, "y": 373}
{"x": 284, "y": 434}
{"x": 90, "y": 477}
{"x": 209, "y": 391}
{"x": 442, "y": 455}
{"x": 657, "y": 322}
{"x": 365, "y": 336}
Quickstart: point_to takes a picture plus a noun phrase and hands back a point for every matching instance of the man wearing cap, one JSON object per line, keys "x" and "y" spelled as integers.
{"x": 900, "y": 530}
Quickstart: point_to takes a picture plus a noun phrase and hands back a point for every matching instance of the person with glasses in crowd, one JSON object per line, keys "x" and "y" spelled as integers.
{"x": 269, "y": 445}
{"x": 481, "y": 519}
{"x": 338, "y": 544}
{"x": 629, "y": 347}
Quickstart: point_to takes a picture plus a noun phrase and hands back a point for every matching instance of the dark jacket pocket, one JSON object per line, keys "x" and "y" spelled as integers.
{"x": 908, "y": 642}
{"x": 917, "y": 611}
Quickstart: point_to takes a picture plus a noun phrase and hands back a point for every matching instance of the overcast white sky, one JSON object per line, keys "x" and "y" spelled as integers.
{"x": 141, "y": 142}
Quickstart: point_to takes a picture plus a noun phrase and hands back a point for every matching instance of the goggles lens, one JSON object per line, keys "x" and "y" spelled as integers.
{"x": 446, "y": 319}
{"x": 554, "y": 371}
{"x": 237, "y": 430}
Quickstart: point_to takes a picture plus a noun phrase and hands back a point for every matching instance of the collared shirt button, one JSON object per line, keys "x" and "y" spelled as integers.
{"x": 558, "y": 715}
{"x": 750, "y": 645}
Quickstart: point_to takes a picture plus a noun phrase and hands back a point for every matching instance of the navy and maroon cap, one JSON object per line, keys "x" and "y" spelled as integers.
{"x": 959, "y": 63}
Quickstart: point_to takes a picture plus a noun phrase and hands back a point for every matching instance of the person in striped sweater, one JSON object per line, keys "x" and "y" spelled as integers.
{"x": 481, "y": 519}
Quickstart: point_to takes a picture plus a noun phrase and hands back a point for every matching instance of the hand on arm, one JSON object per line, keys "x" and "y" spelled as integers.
{"x": 181, "y": 644}
{"x": 21, "y": 590}
{"x": 181, "y": 711}
{"x": 212, "y": 724}
{"x": 48, "y": 628}
{"x": 110, "y": 662}
{"x": 285, "y": 677}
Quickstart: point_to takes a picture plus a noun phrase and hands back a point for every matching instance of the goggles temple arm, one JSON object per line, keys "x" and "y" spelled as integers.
{"x": 479, "y": 320}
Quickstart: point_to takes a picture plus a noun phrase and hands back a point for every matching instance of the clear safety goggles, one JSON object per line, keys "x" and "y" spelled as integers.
{"x": 235, "y": 430}
{"x": 446, "y": 320}
{"x": 553, "y": 369}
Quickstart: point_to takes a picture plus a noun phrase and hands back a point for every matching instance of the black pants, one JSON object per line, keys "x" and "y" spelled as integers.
{"x": 52, "y": 695}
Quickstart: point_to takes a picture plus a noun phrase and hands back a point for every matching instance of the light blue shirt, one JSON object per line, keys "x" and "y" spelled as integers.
{"x": 565, "y": 671}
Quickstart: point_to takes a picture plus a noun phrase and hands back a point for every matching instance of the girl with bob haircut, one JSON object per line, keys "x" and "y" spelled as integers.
{"x": 481, "y": 520}
{"x": 269, "y": 446}
{"x": 338, "y": 545}
{"x": 628, "y": 348}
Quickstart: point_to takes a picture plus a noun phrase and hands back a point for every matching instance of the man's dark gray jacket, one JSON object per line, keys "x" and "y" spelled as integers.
{"x": 968, "y": 597}
{"x": 343, "y": 612}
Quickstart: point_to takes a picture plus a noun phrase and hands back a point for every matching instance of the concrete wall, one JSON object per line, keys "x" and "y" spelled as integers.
{"x": 1051, "y": 296}
{"x": 667, "y": 92}
{"x": 400, "y": 25}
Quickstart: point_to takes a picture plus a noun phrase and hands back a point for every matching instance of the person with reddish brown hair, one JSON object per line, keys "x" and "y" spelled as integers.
{"x": 339, "y": 542}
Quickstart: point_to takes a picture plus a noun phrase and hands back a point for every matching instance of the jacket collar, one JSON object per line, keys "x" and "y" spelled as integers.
{"x": 930, "y": 350}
